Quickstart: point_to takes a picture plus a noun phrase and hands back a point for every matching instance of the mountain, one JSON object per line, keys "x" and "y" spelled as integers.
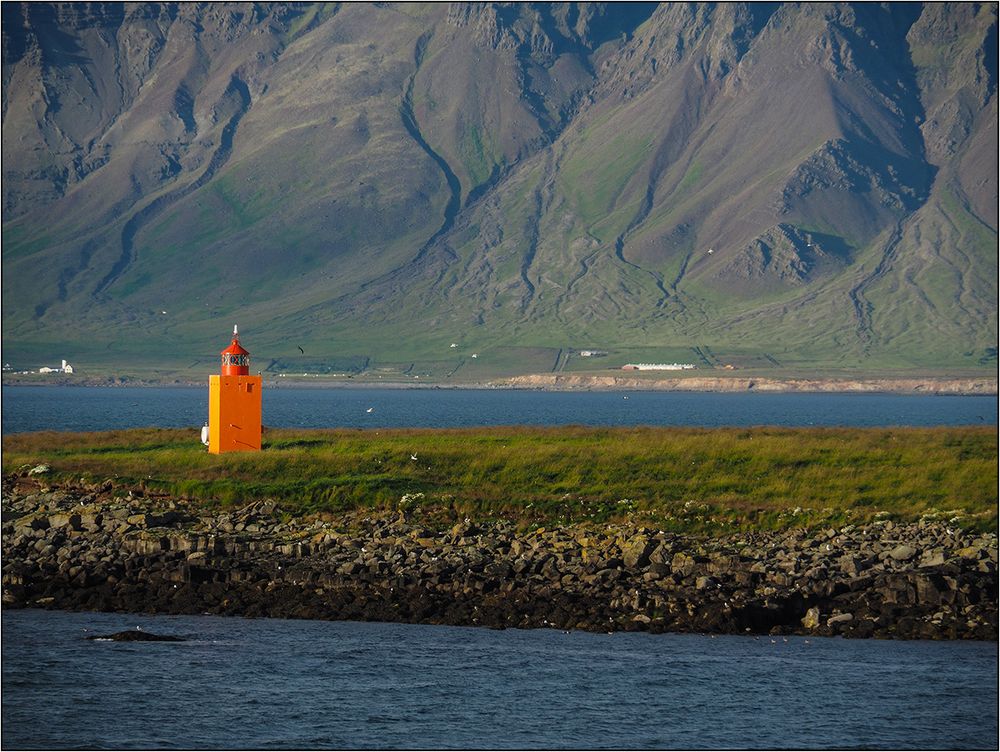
{"x": 808, "y": 186}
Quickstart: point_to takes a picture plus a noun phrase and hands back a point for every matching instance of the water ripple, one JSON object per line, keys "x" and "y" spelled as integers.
{"x": 257, "y": 683}
{"x": 97, "y": 409}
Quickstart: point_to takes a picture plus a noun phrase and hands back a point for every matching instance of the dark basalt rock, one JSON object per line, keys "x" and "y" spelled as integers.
{"x": 135, "y": 635}
{"x": 909, "y": 581}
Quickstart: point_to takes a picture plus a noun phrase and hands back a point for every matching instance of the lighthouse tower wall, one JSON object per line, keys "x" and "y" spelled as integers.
{"x": 234, "y": 413}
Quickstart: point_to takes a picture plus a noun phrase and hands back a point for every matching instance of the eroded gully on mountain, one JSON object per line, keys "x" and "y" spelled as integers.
{"x": 142, "y": 217}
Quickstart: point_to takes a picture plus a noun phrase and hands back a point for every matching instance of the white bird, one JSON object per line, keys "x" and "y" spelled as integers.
{"x": 370, "y": 410}
{"x": 413, "y": 457}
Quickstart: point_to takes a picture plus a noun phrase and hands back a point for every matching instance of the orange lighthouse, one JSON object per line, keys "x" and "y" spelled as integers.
{"x": 234, "y": 403}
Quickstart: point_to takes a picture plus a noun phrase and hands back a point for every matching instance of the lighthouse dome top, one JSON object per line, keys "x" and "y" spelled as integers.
{"x": 235, "y": 359}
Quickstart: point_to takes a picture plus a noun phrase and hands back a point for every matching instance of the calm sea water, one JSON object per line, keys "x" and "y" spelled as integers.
{"x": 94, "y": 408}
{"x": 245, "y": 684}
{"x": 251, "y": 684}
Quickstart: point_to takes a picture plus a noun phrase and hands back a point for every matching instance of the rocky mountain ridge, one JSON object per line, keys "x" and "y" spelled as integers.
{"x": 816, "y": 181}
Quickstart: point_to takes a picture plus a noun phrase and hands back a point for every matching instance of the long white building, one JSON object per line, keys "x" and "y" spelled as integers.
{"x": 658, "y": 366}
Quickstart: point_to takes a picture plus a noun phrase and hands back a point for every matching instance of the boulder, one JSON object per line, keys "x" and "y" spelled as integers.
{"x": 850, "y": 565}
{"x": 657, "y": 570}
{"x": 811, "y": 619}
{"x": 969, "y": 552}
{"x": 636, "y": 551}
{"x": 34, "y": 522}
{"x": 839, "y": 619}
{"x": 660, "y": 555}
{"x": 682, "y": 564}
{"x": 91, "y": 521}
{"x": 146, "y": 546}
{"x": 723, "y": 563}
{"x": 903, "y": 552}
{"x": 65, "y": 520}
{"x": 933, "y": 558}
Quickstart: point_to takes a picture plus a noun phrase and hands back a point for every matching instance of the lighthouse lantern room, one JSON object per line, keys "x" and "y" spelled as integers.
{"x": 234, "y": 403}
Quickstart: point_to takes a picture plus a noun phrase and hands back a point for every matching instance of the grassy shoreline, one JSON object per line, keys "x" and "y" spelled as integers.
{"x": 705, "y": 481}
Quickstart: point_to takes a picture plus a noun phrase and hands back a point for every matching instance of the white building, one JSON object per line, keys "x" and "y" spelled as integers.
{"x": 64, "y": 368}
{"x": 658, "y": 366}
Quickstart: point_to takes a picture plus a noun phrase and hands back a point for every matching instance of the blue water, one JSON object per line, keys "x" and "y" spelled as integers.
{"x": 95, "y": 408}
{"x": 245, "y": 684}
{"x": 252, "y": 684}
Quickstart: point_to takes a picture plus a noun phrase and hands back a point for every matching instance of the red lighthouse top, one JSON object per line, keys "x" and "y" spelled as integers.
{"x": 235, "y": 360}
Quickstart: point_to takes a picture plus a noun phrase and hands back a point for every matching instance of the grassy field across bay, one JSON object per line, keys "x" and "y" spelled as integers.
{"x": 680, "y": 479}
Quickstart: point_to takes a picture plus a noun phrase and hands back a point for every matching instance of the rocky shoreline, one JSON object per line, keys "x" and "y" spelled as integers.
{"x": 569, "y": 382}
{"x": 558, "y": 382}
{"x": 101, "y": 547}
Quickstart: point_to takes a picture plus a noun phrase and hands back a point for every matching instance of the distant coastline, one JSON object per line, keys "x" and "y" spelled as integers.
{"x": 982, "y": 386}
{"x": 957, "y": 386}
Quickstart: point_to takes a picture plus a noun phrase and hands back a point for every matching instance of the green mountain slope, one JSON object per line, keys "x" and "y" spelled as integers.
{"x": 360, "y": 186}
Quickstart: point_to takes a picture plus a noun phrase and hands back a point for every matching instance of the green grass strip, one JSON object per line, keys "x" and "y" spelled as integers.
{"x": 680, "y": 479}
